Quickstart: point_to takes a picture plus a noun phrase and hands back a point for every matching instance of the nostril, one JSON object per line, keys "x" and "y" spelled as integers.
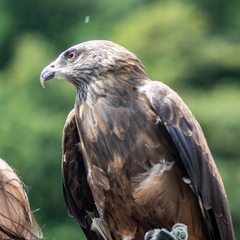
{"x": 52, "y": 66}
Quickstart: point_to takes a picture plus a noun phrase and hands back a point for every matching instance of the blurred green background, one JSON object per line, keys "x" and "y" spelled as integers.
{"x": 193, "y": 46}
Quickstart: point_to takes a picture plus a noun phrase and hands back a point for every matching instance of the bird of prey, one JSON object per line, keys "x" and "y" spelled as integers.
{"x": 134, "y": 156}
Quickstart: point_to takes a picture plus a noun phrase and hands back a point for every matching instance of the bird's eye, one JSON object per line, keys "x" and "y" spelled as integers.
{"x": 71, "y": 55}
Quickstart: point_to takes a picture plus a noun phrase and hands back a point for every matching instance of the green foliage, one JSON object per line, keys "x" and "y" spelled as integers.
{"x": 179, "y": 42}
{"x": 222, "y": 16}
{"x": 65, "y": 229}
{"x": 176, "y": 45}
{"x": 160, "y": 41}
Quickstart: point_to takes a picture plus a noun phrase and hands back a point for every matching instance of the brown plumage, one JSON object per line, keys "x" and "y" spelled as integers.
{"x": 134, "y": 157}
{"x": 16, "y": 219}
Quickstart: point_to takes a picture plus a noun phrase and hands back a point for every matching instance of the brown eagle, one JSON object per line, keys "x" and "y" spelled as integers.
{"x": 134, "y": 156}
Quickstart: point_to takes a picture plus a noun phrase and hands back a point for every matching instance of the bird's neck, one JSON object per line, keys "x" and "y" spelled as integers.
{"x": 81, "y": 93}
{"x": 116, "y": 83}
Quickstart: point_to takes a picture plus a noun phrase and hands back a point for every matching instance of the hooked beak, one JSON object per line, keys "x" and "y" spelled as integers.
{"x": 47, "y": 73}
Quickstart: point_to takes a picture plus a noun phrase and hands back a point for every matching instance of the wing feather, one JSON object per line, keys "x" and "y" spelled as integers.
{"x": 77, "y": 194}
{"x": 195, "y": 156}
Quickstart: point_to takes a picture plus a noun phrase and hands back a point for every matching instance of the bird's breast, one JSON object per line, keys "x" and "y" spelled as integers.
{"x": 126, "y": 139}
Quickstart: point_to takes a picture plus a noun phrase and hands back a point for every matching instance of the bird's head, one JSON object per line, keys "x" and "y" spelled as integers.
{"x": 87, "y": 61}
